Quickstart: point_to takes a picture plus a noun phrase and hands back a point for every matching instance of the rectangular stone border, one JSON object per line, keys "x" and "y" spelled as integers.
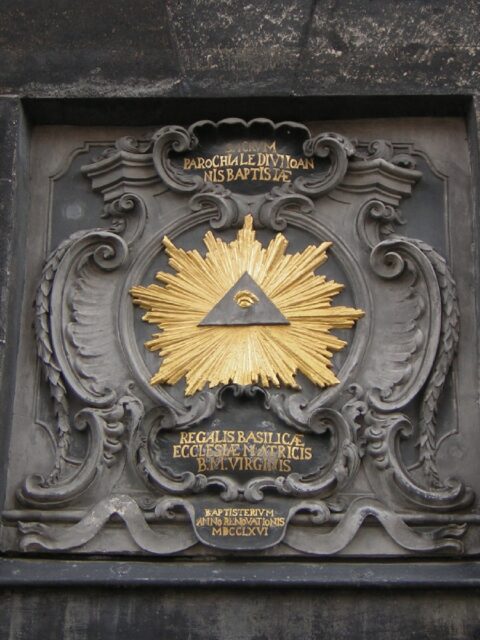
{"x": 16, "y": 119}
{"x": 15, "y": 573}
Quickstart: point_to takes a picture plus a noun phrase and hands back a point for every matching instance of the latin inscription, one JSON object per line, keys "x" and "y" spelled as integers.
{"x": 239, "y": 450}
{"x": 240, "y": 522}
{"x": 248, "y": 161}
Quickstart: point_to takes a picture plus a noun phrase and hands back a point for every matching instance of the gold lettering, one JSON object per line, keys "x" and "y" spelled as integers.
{"x": 255, "y": 161}
{"x": 240, "y": 450}
{"x": 241, "y": 522}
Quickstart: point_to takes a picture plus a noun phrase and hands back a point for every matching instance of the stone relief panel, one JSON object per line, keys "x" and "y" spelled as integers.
{"x": 255, "y": 347}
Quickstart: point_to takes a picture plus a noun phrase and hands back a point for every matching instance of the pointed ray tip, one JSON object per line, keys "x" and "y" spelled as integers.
{"x": 167, "y": 242}
{"x": 248, "y": 221}
{"x": 326, "y": 245}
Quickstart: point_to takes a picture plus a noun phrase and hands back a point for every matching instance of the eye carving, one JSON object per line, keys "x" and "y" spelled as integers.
{"x": 245, "y": 298}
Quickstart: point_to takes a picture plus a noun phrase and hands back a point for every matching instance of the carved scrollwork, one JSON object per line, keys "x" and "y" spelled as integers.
{"x": 390, "y": 258}
{"x": 47, "y": 357}
{"x": 106, "y": 256}
{"x": 77, "y": 301}
{"x": 384, "y": 150}
{"x": 144, "y": 441}
{"x": 414, "y": 317}
{"x": 107, "y": 428}
{"x": 58, "y": 490}
{"x": 118, "y": 419}
{"x": 215, "y": 199}
{"x": 376, "y": 221}
{"x": 121, "y": 210}
{"x": 174, "y": 484}
{"x": 333, "y": 146}
{"x": 40, "y": 536}
{"x": 342, "y": 466}
{"x": 174, "y": 139}
{"x": 69, "y": 299}
{"x": 338, "y": 149}
{"x": 378, "y": 434}
{"x": 279, "y": 201}
{"x": 89, "y": 343}
{"x": 128, "y": 144}
{"x": 319, "y": 542}
{"x": 382, "y": 433}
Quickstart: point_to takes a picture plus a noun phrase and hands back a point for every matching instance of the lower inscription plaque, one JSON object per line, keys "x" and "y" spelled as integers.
{"x": 238, "y": 450}
{"x": 238, "y": 526}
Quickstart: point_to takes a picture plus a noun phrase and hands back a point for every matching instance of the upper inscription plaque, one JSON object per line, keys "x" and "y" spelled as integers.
{"x": 237, "y": 358}
{"x": 249, "y": 158}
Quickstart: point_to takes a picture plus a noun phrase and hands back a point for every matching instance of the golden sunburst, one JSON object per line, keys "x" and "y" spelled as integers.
{"x": 204, "y": 337}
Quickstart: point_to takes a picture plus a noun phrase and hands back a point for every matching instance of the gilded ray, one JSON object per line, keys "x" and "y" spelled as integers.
{"x": 265, "y": 354}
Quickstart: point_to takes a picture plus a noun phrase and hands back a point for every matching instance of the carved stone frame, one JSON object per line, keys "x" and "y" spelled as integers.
{"x": 101, "y": 420}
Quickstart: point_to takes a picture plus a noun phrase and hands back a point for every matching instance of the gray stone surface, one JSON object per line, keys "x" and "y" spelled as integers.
{"x": 13, "y": 202}
{"x": 230, "y": 48}
{"x": 383, "y": 57}
{"x": 233, "y": 615}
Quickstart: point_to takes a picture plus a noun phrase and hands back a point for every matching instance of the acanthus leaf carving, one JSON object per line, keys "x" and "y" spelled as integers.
{"x": 390, "y": 258}
{"x": 79, "y": 304}
{"x": 413, "y": 319}
{"x": 108, "y": 411}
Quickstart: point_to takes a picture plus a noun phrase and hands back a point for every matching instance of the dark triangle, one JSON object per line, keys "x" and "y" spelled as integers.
{"x": 228, "y": 313}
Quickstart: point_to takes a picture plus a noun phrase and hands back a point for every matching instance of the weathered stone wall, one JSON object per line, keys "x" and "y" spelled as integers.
{"x": 148, "y": 61}
{"x": 193, "y": 48}
{"x": 239, "y": 615}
